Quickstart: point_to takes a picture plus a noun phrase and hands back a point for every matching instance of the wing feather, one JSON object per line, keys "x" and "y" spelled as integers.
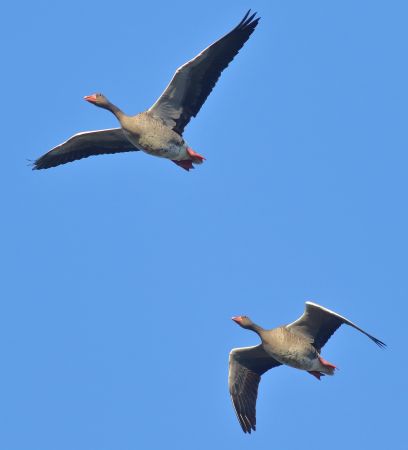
{"x": 246, "y": 365}
{"x": 83, "y": 145}
{"x": 193, "y": 81}
{"x": 319, "y": 323}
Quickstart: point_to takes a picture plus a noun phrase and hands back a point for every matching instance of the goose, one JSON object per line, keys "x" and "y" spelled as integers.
{"x": 296, "y": 345}
{"x": 159, "y": 130}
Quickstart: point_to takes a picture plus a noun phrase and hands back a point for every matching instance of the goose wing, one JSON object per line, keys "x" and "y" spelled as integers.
{"x": 318, "y": 324}
{"x": 246, "y": 365}
{"x": 85, "y": 144}
{"x": 193, "y": 81}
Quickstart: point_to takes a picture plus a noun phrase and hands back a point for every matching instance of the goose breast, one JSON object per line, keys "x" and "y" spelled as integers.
{"x": 152, "y": 136}
{"x": 289, "y": 348}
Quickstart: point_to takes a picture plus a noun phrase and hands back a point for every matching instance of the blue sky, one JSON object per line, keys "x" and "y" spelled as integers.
{"x": 120, "y": 273}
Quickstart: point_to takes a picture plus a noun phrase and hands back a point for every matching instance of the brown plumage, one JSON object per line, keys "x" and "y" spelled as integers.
{"x": 159, "y": 130}
{"x": 296, "y": 345}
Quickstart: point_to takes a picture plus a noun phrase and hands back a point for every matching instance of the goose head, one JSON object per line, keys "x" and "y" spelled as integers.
{"x": 98, "y": 99}
{"x": 243, "y": 321}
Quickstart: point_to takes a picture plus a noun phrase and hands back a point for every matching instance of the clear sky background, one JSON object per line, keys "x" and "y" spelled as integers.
{"x": 120, "y": 273}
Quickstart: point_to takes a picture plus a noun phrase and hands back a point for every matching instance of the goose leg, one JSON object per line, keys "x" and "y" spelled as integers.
{"x": 326, "y": 363}
{"x": 196, "y": 157}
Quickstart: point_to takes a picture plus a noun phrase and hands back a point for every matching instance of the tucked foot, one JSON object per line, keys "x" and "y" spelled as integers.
{"x": 196, "y": 157}
{"x": 331, "y": 367}
{"x": 316, "y": 374}
{"x": 186, "y": 164}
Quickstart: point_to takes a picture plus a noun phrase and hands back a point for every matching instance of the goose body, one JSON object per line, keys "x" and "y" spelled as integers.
{"x": 159, "y": 130}
{"x": 152, "y": 136}
{"x": 296, "y": 345}
{"x": 291, "y": 350}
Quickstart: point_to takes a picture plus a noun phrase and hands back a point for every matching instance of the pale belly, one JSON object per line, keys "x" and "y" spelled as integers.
{"x": 292, "y": 357}
{"x": 155, "y": 147}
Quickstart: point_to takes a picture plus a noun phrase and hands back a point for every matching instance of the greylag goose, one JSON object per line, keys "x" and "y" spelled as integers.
{"x": 296, "y": 345}
{"x": 159, "y": 130}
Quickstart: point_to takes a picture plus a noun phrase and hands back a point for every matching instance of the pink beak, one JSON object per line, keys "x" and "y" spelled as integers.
{"x": 237, "y": 319}
{"x": 90, "y": 98}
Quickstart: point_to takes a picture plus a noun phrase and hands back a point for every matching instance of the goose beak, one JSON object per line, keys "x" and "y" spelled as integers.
{"x": 90, "y": 98}
{"x": 237, "y": 319}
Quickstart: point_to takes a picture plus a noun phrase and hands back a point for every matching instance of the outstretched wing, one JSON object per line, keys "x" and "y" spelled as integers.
{"x": 193, "y": 82}
{"x": 246, "y": 365}
{"x": 318, "y": 324}
{"x": 85, "y": 144}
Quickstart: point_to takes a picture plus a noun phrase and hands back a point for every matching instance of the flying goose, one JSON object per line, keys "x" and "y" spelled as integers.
{"x": 296, "y": 345}
{"x": 159, "y": 130}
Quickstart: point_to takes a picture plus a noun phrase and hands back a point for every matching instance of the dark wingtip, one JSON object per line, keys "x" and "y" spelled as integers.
{"x": 36, "y": 166}
{"x": 246, "y": 15}
{"x": 380, "y": 344}
{"x": 249, "y": 20}
{"x": 248, "y": 429}
{"x": 251, "y": 428}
